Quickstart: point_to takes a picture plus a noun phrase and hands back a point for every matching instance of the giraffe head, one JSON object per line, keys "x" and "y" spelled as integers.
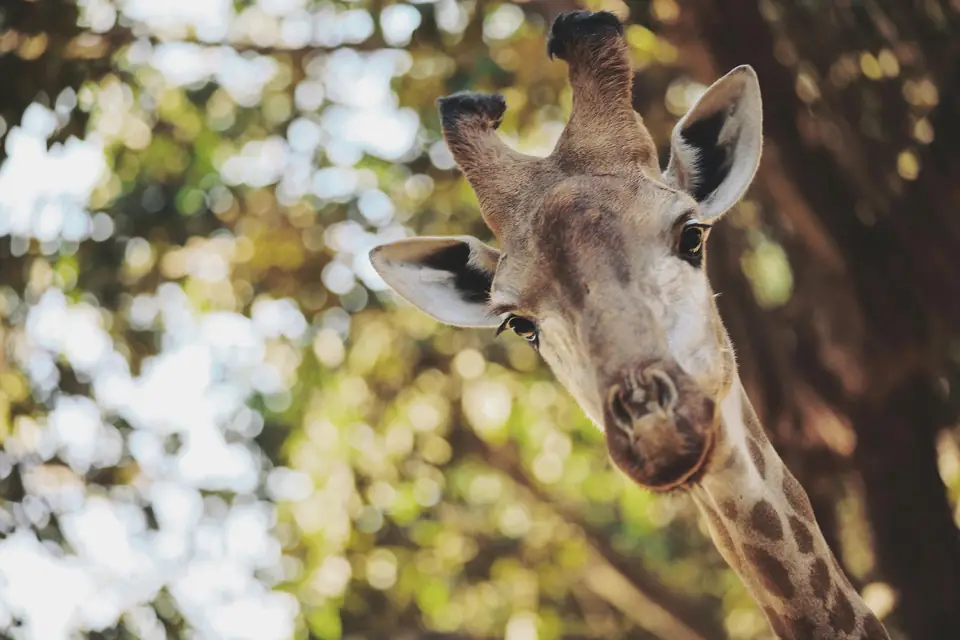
{"x": 601, "y": 260}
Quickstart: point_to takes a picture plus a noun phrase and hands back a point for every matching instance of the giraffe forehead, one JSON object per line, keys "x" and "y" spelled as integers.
{"x": 590, "y": 231}
{"x": 574, "y": 244}
{"x": 585, "y": 205}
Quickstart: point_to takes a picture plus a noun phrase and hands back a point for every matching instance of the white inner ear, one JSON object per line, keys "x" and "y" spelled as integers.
{"x": 435, "y": 291}
{"x": 734, "y": 101}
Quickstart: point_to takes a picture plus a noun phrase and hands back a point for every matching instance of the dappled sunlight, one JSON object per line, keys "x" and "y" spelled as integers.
{"x": 194, "y": 390}
{"x": 44, "y": 191}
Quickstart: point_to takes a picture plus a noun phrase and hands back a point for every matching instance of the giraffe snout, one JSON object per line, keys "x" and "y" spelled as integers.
{"x": 660, "y": 426}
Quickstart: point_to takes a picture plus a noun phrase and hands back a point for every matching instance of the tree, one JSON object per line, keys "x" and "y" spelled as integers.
{"x": 859, "y": 184}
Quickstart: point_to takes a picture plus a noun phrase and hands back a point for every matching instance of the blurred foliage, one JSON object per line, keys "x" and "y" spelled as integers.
{"x": 416, "y": 478}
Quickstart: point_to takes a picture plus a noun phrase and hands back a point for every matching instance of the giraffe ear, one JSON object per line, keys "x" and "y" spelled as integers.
{"x": 715, "y": 148}
{"x": 447, "y": 278}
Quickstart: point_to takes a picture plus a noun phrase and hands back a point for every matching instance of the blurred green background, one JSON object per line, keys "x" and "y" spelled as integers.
{"x": 217, "y": 424}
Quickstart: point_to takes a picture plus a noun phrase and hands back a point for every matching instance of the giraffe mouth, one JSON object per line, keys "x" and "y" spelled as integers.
{"x": 666, "y": 444}
{"x": 661, "y": 471}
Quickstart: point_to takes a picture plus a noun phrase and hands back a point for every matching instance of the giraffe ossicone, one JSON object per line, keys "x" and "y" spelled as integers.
{"x": 601, "y": 268}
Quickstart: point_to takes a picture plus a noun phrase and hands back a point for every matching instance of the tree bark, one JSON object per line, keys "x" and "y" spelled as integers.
{"x": 917, "y": 542}
{"x": 868, "y": 331}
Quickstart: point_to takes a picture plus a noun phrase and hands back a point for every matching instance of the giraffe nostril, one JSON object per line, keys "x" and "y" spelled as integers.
{"x": 618, "y": 407}
{"x": 653, "y": 392}
{"x": 662, "y": 389}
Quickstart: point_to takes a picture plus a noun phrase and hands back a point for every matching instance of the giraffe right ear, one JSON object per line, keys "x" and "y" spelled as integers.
{"x": 715, "y": 148}
{"x": 448, "y": 278}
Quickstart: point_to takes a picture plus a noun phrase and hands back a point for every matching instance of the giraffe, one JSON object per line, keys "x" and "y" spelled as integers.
{"x": 601, "y": 271}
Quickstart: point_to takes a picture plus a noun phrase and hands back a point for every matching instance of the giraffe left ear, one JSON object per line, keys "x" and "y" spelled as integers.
{"x": 715, "y": 148}
{"x": 448, "y": 278}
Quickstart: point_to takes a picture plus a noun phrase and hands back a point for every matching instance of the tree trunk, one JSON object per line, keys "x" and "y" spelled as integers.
{"x": 871, "y": 245}
{"x": 918, "y": 545}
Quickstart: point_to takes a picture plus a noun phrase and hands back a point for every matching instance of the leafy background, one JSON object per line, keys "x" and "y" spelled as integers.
{"x": 217, "y": 424}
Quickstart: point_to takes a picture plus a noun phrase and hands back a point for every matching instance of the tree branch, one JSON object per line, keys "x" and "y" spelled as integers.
{"x": 651, "y": 605}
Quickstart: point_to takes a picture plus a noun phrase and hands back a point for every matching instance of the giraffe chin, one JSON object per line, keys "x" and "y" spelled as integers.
{"x": 667, "y": 452}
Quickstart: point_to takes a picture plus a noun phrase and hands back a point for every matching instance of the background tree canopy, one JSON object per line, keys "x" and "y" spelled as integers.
{"x": 216, "y": 423}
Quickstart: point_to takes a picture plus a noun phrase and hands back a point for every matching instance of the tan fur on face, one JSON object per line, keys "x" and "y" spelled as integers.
{"x": 597, "y": 261}
{"x": 590, "y": 234}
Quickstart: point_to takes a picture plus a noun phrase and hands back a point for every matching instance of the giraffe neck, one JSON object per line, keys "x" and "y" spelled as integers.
{"x": 761, "y": 522}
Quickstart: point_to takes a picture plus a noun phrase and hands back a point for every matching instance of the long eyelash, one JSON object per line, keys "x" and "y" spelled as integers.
{"x": 499, "y": 309}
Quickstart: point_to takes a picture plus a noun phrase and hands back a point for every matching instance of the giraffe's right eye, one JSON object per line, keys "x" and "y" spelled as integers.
{"x": 690, "y": 246}
{"x": 523, "y": 327}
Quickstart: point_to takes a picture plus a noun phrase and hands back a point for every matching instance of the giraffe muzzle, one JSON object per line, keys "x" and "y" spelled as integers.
{"x": 660, "y": 426}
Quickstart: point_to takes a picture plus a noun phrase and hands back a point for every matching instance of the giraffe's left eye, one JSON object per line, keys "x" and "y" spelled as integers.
{"x": 690, "y": 246}
{"x": 523, "y": 327}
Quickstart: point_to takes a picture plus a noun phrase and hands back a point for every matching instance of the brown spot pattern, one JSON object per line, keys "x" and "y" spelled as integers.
{"x": 842, "y": 617}
{"x": 729, "y": 509}
{"x": 779, "y": 629}
{"x": 770, "y": 571}
{"x": 732, "y": 461}
{"x": 820, "y": 579}
{"x": 764, "y": 518}
{"x": 750, "y": 419}
{"x": 844, "y": 580}
{"x": 796, "y": 496}
{"x": 873, "y": 630}
{"x": 802, "y": 628}
{"x": 801, "y": 534}
{"x": 756, "y": 454}
{"x": 722, "y": 538}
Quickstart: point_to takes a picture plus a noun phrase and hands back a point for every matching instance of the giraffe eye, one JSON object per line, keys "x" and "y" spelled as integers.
{"x": 523, "y": 327}
{"x": 690, "y": 245}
